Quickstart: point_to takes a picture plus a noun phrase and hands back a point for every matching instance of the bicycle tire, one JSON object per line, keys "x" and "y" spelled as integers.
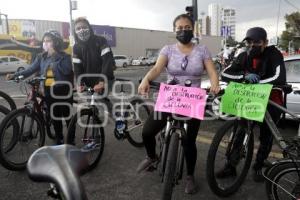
{"x": 22, "y": 138}
{"x": 9, "y": 100}
{"x": 170, "y": 170}
{"x": 50, "y": 132}
{"x": 137, "y": 128}
{"x": 5, "y": 112}
{"x": 211, "y": 161}
{"x": 71, "y": 136}
{"x": 273, "y": 190}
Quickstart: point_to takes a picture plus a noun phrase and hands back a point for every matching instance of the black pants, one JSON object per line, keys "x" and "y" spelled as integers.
{"x": 266, "y": 141}
{"x": 152, "y": 127}
{"x": 59, "y": 111}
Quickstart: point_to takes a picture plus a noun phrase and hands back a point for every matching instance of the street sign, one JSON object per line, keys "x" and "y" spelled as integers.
{"x": 225, "y": 31}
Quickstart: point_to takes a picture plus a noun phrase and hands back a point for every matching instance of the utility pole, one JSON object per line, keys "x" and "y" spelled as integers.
{"x": 6, "y": 22}
{"x": 72, "y": 6}
{"x": 195, "y": 10}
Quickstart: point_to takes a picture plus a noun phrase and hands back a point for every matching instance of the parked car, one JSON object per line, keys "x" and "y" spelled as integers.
{"x": 292, "y": 65}
{"x": 140, "y": 61}
{"x": 11, "y": 64}
{"x": 151, "y": 60}
{"x": 121, "y": 60}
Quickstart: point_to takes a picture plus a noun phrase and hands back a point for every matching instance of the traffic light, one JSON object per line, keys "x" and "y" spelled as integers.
{"x": 190, "y": 11}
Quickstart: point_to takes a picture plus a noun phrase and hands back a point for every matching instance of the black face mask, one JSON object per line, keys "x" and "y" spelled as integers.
{"x": 184, "y": 36}
{"x": 255, "y": 51}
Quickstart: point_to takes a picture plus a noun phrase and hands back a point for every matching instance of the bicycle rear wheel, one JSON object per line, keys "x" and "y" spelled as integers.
{"x": 86, "y": 132}
{"x": 227, "y": 147}
{"x": 284, "y": 182}
{"x": 136, "y": 114}
{"x": 170, "y": 169}
{"x": 21, "y": 133}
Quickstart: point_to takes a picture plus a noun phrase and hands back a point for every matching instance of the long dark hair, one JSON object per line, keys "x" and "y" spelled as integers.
{"x": 185, "y": 16}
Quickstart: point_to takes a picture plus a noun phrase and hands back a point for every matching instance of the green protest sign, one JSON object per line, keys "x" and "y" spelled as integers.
{"x": 248, "y": 101}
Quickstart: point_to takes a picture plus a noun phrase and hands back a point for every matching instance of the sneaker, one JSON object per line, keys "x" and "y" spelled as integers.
{"x": 59, "y": 141}
{"x": 267, "y": 164}
{"x": 190, "y": 187}
{"x": 227, "y": 171}
{"x": 146, "y": 164}
{"x": 89, "y": 146}
{"x": 258, "y": 176}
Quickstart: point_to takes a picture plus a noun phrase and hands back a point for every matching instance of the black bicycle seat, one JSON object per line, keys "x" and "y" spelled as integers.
{"x": 60, "y": 165}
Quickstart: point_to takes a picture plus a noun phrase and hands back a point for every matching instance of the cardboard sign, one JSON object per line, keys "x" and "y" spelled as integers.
{"x": 186, "y": 101}
{"x": 248, "y": 101}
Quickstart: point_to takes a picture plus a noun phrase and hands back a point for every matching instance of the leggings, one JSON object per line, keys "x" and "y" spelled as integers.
{"x": 59, "y": 111}
{"x": 152, "y": 127}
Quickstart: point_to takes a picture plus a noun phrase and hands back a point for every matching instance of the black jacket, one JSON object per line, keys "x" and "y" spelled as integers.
{"x": 93, "y": 57}
{"x": 271, "y": 68}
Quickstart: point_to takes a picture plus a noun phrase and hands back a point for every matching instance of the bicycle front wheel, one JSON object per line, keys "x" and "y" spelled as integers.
{"x": 170, "y": 169}
{"x": 21, "y": 133}
{"x": 8, "y": 100}
{"x": 136, "y": 114}
{"x": 86, "y": 132}
{"x": 284, "y": 182}
{"x": 229, "y": 145}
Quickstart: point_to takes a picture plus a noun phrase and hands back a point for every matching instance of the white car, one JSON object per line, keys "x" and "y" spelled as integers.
{"x": 140, "y": 61}
{"x": 121, "y": 61}
{"x": 292, "y": 65}
{"x": 11, "y": 64}
{"x": 151, "y": 60}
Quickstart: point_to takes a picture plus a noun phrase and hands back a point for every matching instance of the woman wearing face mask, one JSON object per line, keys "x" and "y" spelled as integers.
{"x": 55, "y": 65}
{"x": 183, "y": 60}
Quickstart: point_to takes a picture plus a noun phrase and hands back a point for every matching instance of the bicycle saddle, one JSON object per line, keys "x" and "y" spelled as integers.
{"x": 60, "y": 165}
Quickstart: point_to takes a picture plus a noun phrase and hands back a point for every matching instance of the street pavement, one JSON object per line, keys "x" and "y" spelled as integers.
{"x": 115, "y": 177}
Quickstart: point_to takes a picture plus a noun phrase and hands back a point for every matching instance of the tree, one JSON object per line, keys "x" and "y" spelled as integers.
{"x": 292, "y": 33}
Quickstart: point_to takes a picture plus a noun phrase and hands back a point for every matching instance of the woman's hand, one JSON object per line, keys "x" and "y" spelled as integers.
{"x": 215, "y": 89}
{"x": 144, "y": 87}
{"x": 9, "y": 77}
{"x": 99, "y": 87}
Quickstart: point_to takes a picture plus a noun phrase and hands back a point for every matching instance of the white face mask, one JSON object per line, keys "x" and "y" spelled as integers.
{"x": 47, "y": 46}
{"x": 83, "y": 34}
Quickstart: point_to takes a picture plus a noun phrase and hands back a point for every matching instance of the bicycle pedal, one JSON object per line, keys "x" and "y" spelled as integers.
{"x": 151, "y": 168}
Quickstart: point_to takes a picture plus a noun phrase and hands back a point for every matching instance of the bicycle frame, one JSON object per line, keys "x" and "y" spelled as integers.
{"x": 274, "y": 130}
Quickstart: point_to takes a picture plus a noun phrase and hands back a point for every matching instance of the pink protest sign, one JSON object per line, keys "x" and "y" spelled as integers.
{"x": 186, "y": 101}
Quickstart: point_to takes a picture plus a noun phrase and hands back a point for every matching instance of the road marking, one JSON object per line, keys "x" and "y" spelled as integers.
{"x": 208, "y": 140}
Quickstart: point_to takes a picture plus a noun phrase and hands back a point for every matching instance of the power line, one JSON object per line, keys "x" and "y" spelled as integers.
{"x": 288, "y": 2}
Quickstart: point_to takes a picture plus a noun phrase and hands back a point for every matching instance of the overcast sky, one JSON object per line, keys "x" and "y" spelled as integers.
{"x": 150, "y": 14}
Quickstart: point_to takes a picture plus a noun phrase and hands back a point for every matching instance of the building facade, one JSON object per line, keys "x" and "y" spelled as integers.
{"x": 229, "y": 20}
{"x": 123, "y": 41}
{"x": 214, "y": 13}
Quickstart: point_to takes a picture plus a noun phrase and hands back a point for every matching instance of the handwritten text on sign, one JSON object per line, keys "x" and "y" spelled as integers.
{"x": 186, "y": 101}
{"x": 246, "y": 100}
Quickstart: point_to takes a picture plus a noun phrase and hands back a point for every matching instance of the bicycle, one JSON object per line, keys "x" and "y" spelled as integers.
{"x": 170, "y": 161}
{"x": 278, "y": 186}
{"x": 66, "y": 163}
{"x": 8, "y": 100}
{"x": 24, "y": 126}
{"x": 91, "y": 139}
{"x": 234, "y": 141}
